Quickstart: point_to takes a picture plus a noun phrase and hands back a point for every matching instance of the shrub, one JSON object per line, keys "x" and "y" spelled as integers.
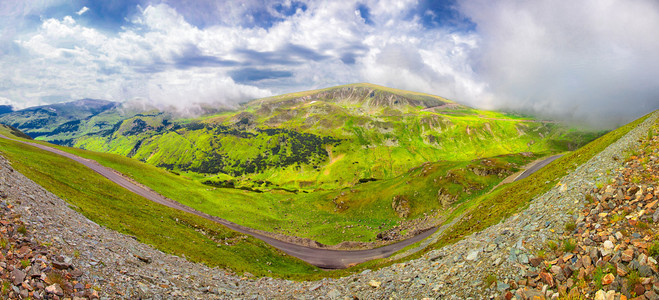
{"x": 633, "y": 279}
{"x": 654, "y": 249}
{"x": 492, "y": 278}
{"x": 21, "y": 229}
{"x": 569, "y": 245}
{"x": 570, "y": 226}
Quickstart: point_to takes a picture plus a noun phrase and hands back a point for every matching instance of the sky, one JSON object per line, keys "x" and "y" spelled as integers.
{"x": 594, "y": 62}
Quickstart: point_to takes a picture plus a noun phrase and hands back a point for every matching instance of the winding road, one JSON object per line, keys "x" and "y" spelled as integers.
{"x": 537, "y": 166}
{"x": 324, "y": 258}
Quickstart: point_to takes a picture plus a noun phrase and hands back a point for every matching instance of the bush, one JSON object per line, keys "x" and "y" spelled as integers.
{"x": 492, "y": 278}
{"x": 570, "y": 226}
{"x": 654, "y": 249}
{"x": 569, "y": 245}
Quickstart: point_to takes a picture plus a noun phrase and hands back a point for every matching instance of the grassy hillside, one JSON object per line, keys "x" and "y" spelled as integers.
{"x": 167, "y": 229}
{"x": 490, "y": 208}
{"x": 351, "y": 163}
{"x": 327, "y": 139}
{"x": 358, "y": 213}
{"x": 57, "y": 121}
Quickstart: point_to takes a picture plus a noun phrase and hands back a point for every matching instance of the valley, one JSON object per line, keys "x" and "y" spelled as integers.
{"x": 352, "y": 167}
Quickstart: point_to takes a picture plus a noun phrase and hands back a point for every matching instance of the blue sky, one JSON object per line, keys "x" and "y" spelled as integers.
{"x": 588, "y": 60}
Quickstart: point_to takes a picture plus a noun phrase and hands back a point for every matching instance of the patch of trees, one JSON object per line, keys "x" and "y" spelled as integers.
{"x": 213, "y": 163}
{"x": 5, "y": 109}
{"x": 135, "y": 148}
{"x": 221, "y": 129}
{"x": 109, "y": 132}
{"x": 139, "y": 126}
{"x": 34, "y": 124}
{"x": 67, "y": 127}
{"x": 292, "y": 149}
{"x": 66, "y": 142}
{"x": 195, "y": 126}
{"x": 365, "y": 180}
{"x": 230, "y": 185}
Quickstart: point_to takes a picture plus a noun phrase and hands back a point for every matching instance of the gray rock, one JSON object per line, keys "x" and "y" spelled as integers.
{"x": 334, "y": 294}
{"x": 502, "y": 286}
{"x": 473, "y": 255}
{"x": 17, "y": 276}
{"x": 644, "y": 271}
{"x": 62, "y": 262}
{"x": 524, "y": 259}
{"x": 54, "y": 289}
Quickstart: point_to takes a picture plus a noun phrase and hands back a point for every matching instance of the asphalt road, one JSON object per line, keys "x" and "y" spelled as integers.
{"x": 537, "y": 167}
{"x": 324, "y": 258}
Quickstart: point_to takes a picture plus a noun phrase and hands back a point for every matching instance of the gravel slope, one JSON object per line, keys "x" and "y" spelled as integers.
{"x": 124, "y": 268}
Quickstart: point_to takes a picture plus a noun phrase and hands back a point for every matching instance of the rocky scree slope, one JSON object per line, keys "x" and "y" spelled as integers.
{"x": 611, "y": 250}
{"x": 120, "y": 267}
{"x": 29, "y": 268}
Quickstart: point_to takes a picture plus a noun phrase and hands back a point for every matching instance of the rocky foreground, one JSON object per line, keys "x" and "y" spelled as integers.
{"x": 611, "y": 250}
{"x": 31, "y": 269}
{"x": 587, "y": 237}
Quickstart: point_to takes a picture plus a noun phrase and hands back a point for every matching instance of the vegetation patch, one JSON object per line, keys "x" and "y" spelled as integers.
{"x": 167, "y": 229}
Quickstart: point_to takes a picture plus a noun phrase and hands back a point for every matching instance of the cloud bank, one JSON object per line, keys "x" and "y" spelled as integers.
{"x": 588, "y": 60}
{"x": 592, "y": 61}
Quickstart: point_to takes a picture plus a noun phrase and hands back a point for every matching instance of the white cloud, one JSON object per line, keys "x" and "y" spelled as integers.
{"x": 83, "y": 10}
{"x": 593, "y": 60}
{"x": 543, "y": 56}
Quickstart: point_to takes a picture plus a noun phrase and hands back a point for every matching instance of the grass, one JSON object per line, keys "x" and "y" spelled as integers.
{"x": 570, "y": 226}
{"x": 384, "y": 142}
{"x": 490, "y": 279}
{"x": 633, "y": 278}
{"x": 505, "y": 201}
{"x": 653, "y": 251}
{"x": 598, "y": 274}
{"x": 365, "y": 209}
{"x": 5, "y": 287}
{"x": 22, "y": 230}
{"x": 167, "y": 229}
{"x": 569, "y": 245}
{"x": 508, "y": 199}
{"x": 617, "y": 218}
{"x": 502, "y": 203}
{"x": 642, "y": 225}
{"x": 542, "y": 254}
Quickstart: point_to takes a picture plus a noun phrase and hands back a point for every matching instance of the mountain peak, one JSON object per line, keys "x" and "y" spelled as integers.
{"x": 365, "y": 94}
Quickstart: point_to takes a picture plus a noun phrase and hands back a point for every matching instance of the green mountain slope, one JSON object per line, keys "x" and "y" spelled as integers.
{"x": 326, "y": 139}
{"x": 60, "y": 122}
{"x": 358, "y": 162}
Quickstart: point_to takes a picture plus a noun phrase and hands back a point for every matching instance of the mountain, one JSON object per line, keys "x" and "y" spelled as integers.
{"x": 58, "y": 122}
{"x": 328, "y": 138}
{"x": 5, "y": 109}
{"x": 380, "y": 163}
